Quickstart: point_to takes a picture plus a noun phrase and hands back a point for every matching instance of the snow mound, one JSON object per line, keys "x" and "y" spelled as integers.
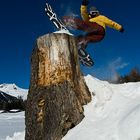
{"x": 113, "y": 113}
{"x": 14, "y": 90}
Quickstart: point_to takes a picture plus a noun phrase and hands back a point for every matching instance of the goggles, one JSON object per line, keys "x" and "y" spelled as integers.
{"x": 93, "y": 12}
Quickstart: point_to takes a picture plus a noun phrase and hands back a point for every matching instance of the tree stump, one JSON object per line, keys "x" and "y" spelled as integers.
{"x": 57, "y": 88}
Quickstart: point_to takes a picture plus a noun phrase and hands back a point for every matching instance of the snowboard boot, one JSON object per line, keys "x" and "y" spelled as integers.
{"x": 84, "y": 57}
{"x": 82, "y": 42}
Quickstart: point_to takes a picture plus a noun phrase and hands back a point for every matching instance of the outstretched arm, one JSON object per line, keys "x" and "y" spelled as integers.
{"x": 83, "y": 9}
{"x": 113, "y": 24}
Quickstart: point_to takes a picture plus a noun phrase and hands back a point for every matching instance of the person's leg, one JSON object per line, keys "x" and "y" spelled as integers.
{"x": 83, "y": 40}
{"x": 95, "y": 34}
{"x": 93, "y": 38}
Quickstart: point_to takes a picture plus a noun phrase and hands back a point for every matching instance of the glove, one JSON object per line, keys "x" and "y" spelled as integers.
{"x": 85, "y": 2}
{"x": 122, "y": 30}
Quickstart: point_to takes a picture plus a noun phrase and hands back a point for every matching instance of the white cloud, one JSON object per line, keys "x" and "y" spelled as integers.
{"x": 118, "y": 64}
{"x": 110, "y": 71}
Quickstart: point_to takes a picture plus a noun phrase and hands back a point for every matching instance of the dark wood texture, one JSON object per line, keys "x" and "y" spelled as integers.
{"x": 57, "y": 90}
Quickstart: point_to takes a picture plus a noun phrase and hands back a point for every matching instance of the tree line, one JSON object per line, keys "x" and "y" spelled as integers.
{"x": 18, "y": 105}
{"x": 132, "y": 76}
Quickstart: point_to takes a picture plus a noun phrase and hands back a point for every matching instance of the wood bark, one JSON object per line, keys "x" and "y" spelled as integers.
{"x": 57, "y": 90}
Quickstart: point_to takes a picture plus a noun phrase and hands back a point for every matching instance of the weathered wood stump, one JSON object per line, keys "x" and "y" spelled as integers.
{"x": 57, "y": 89}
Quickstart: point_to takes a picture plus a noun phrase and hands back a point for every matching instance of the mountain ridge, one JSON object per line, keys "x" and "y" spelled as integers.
{"x": 14, "y": 90}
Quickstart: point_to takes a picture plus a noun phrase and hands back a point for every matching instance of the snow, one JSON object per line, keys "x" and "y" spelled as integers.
{"x": 11, "y": 123}
{"x": 113, "y": 114}
{"x": 63, "y": 31}
{"x": 14, "y": 90}
{"x": 17, "y": 136}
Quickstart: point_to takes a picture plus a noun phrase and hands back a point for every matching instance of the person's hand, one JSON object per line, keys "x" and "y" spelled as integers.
{"x": 122, "y": 30}
{"x": 85, "y": 2}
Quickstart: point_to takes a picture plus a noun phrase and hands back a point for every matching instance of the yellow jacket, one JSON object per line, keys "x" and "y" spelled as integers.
{"x": 101, "y": 20}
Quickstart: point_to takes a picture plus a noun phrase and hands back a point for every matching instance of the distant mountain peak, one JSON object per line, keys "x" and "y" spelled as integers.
{"x": 14, "y": 86}
{"x": 13, "y": 90}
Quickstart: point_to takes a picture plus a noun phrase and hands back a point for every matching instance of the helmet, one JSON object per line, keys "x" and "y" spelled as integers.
{"x": 93, "y": 11}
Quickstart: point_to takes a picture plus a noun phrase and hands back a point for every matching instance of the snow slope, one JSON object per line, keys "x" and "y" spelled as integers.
{"x": 14, "y": 90}
{"x": 11, "y": 123}
{"x": 113, "y": 113}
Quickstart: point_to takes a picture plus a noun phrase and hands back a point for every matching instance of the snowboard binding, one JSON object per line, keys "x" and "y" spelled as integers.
{"x": 84, "y": 57}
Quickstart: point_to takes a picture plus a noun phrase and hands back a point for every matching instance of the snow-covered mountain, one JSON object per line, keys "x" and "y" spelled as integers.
{"x": 6, "y": 98}
{"x": 113, "y": 113}
{"x": 13, "y": 90}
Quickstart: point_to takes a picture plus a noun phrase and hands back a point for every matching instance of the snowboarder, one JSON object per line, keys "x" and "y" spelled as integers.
{"x": 99, "y": 22}
{"x": 84, "y": 57}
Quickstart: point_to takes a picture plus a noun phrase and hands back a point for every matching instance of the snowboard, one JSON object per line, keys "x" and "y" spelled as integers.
{"x": 84, "y": 57}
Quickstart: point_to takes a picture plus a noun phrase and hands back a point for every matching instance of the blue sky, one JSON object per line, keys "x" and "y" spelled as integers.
{"x": 23, "y": 21}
